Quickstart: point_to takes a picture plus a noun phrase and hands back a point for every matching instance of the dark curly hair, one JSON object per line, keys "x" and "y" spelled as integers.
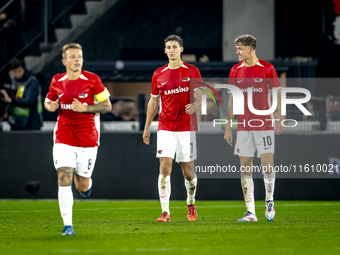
{"x": 246, "y": 40}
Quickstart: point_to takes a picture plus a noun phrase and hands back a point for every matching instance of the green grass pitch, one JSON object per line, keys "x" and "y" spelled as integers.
{"x": 125, "y": 227}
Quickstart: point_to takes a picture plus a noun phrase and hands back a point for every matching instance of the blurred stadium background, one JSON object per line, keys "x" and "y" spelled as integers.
{"x": 123, "y": 43}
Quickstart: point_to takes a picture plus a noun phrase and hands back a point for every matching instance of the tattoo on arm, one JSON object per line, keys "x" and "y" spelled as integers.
{"x": 102, "y": 107}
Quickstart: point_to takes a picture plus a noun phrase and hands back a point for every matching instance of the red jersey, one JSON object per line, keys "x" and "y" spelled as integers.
{"x": 262, "y": 78}
{"x": 74, "y": 128}
{"x": 176, "y": 88}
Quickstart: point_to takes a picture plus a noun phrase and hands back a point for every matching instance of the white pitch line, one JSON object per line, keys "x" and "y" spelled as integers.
{"x": 176, "y": 207}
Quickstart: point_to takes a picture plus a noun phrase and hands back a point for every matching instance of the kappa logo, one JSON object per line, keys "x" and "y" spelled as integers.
{"x": 258, "y": 80}
{"x": 83, "y": 95}
{"x": 186, "y": 79}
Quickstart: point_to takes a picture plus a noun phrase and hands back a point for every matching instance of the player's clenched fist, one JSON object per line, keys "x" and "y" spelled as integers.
{"x": 77, "y": 106}
{"x": 52, "y": 106}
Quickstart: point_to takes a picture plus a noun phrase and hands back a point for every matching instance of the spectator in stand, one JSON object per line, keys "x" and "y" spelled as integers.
{"x": 23, "y": 97}
{"x": 129, "y": 112}
{"x": 116, "y": 112}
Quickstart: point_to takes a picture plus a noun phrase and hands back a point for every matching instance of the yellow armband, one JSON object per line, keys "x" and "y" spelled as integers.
{"x": 102, "y": 95}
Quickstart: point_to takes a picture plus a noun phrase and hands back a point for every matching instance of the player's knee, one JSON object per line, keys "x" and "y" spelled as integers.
{"x": 64, "y": 176}
{"x": 165, "y": 169}
{"x": 188, "y": 176}
{"x": 64, "y": 183}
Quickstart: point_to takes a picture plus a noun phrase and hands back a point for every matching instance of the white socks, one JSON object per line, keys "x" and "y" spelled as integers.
{"x": 65, "y": 199}
{"x": 269, "y": 184}
{"x": 248, "y": 192}
{"x": 248, "y": 189}
{"x": 164, "y": 190}
{"x": 191, "y": 190}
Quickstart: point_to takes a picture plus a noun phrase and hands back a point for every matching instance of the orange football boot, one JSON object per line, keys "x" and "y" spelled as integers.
{"x": 165, "y": 217}
{"x": 192, "y": 213}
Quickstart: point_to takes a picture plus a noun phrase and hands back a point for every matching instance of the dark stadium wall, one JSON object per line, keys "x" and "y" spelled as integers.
{"x": 298, "y": 28}
{"x": 249, "y": 17}
{"x": 128, "y": 169}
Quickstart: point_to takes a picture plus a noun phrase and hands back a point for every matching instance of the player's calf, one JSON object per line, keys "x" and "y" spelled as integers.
{"x": 83, "y": 192}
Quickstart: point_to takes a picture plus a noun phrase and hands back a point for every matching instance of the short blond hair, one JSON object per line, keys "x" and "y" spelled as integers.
{"x": 70, "y": 46}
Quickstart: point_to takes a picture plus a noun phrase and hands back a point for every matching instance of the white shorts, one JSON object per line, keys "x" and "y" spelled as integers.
{"x": 182, "y": 143}
{"x": 247, "y": 142}
{"x": 80, "y": 158}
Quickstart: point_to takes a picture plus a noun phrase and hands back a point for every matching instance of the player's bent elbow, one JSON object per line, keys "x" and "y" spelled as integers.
{"x": 108, "y": 107}
{"x": 154, "y": 101}
{"x": 104, "y": 106}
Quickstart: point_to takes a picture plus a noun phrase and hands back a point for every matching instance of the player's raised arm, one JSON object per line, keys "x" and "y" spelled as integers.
{"x": 151, "y": 112}
{"x": 228, "y": 135}
{"x": 279, "y": 127}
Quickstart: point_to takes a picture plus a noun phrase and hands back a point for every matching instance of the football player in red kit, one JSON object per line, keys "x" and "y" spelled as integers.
{"x": 81, "y": 96}
{"x": 255, "y": 132}
{"x": 171, "y": 91}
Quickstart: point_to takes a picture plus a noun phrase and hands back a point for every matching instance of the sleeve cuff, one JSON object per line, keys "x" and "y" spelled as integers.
{"x": 198, "y": 88}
